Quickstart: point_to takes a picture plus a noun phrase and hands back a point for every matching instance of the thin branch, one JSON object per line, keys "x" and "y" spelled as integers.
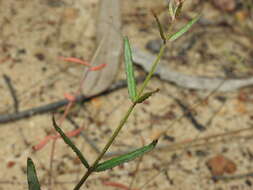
{"x": 87, "y": 139}
{"x": 233, "y": 177}
{"x": 60, "y": 103}
{"x": 12, "y": 92}
{"x": 145, "y": 59}
{"x": 188, "y": 114}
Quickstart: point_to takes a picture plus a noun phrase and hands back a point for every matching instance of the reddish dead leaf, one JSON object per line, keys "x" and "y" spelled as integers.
{"x": 69, "y": 134}
{"x": 82, "y": 62}
{"x": 44, "y": 142}
{"x": 75, "y": 60}
{"x": 74, "y": 132}
{"x": 70, "y": 97}
{"x": 219, "y": 165}
{"x": 97, "y": 68}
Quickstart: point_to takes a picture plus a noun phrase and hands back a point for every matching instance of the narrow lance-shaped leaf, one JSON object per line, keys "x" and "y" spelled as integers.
{"x": 33, "y": 182}
{"x": 171, "y": 10}
{"x": 125, "y": 158}
{"x": 146, "y": 96}
{"x": 160, "y": 28}
{"x": 129, "y": 70}
{"x": 183, "y": 30}
{"x": 71, "y": 144}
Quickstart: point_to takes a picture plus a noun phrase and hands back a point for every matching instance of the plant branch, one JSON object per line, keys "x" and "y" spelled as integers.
{"x": 152, "y": 70}
{"x": 107, "y": 146}
{"x": 123, "y": 121}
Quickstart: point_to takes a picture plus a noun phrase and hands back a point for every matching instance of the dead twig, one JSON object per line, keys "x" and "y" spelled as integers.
{"x": 188, "y": 114}
{"x": 183, "y": 144}
{"x": 12, "y": 92}
{"x": 58, "y": 104}
{"x": 233, "y": 177}
{"x": 145, "y": 59}
{"x": 86, "y": 138}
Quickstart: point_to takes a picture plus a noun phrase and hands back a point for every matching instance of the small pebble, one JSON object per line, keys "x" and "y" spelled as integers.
{"x": 40, "y": 56}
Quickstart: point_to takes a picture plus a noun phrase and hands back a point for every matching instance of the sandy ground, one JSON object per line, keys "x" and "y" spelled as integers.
{"x": 33, "y": 34}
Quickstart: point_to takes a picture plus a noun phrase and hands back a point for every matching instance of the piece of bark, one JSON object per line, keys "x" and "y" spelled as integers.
{"x": 145, "y": 60}
{"x": 109, "y": 48}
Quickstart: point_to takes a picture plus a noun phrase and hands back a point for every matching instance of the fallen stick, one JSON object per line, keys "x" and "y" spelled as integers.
{"x": 5, "y": 118}
{"x": 145, "y": 60}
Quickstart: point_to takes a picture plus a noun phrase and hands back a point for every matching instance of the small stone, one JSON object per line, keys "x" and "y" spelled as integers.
{"x": 219, "y": 165}
{"x": 40, "y": 56}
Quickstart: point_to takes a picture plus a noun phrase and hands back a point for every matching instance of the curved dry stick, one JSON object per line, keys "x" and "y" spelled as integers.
{"x": 144, "y": 60}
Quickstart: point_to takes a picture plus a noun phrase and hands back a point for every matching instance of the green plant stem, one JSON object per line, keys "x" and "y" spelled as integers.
{"x": 107, "y": 146}
{"x": 122, "y": 122}
{"x": 153, "y": 68}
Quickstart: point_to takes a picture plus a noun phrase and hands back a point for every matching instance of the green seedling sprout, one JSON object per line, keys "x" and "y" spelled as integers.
{"x": 131, "y": 84}
{"x": 136, "y": 97}
{"x": 33, "y": 182}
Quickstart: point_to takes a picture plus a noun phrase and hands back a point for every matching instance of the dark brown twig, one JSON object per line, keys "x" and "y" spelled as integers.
{"x": 233, "y": 177}
{"x": 188, "y": 114}
{"x": 12, "y": 92}
{"x": 58, "y": 104}
{"x": 87, "y": 139}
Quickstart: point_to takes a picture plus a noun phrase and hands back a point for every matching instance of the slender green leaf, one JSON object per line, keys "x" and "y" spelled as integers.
{"x": 129, "y": 70}
{"x": 32, "y": 178}
{"x": 160, "y": 28}
{"x": 125, "y": 158}
{"x": 183, "y": 30}
{"x": 171, "y": 10}
{"x": 71, "y": 144}
{"x": 146, "y": 96}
